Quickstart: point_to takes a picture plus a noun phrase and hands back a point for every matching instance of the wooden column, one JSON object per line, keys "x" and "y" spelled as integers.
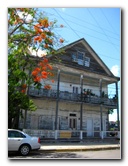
{"x": 57, "y": 103}
{"x": 101, "y": 119}
{"x": 118, "y": 121}
{"x": 81, "y": 106}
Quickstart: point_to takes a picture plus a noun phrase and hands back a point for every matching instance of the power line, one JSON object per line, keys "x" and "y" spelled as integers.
{"x": 90, "y": 29}
{"x": 80, "y": 31}
{"x": 107, "y": 20}
{"x": 83, "y": 25}
{"x": 95, "y": 37}
{"x": 79, "y": 19}
{"x": 66, "y": 22}
{"x": 74, "y": 30}
{"x": 101, "y": 28}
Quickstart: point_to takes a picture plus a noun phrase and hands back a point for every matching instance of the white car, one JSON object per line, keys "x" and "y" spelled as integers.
{"x": 22, "y": 142}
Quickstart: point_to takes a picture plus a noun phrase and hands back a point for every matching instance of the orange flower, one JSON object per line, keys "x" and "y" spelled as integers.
{"x": 50, "y": 73}
{"x": 49, "y": 66}
{"x": 61, "y": 40}
{"x": 43, "y": 35}
{"x": 47, "y": 87}
{"x": 38, "y": 38}
{"x": 39, "y": 30}
{"x": 24, "y": 86}
{"x": 46, "y": 46}
{"x": 50, "y": 40}
{"x": 44, "y": 73}
{"x": 37, "y": 69}
{"x": 44, "y": 76}
{"x": 23, "y": 91}
{"x": 45, "y": 60}
{"x": 44, "y": 23}
{"x": 52, "y": 81}
{"x": 34, "y": 73}
{"x": 37, "y": 26}
{"x": 37, "y": 79}
{"x": 44, "y": 68}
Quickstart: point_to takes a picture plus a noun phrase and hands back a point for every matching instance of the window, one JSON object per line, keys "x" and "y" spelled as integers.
{"x": 80, "y": 58}
{"x": 15, "y": 134}
{"x": 87, "y": 62}
{"x": 74, "y": 58}
{"x": 75, "y": 89}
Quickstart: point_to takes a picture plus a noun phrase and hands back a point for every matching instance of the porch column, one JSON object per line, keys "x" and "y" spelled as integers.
{"x": 118, "y": 121}
{"x": 57, "y": 102}
{"x": 101, "y": 120}
{"x": 81, "y": 107}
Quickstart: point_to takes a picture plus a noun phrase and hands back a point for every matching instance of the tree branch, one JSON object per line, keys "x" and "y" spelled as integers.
{"x": 15, "y": 29}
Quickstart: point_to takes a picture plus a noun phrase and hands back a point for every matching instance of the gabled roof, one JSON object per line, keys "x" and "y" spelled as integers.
{"x": 92, "y": 52}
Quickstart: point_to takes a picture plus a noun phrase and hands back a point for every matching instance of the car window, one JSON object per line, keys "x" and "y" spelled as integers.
{"x": 15, "y": 134}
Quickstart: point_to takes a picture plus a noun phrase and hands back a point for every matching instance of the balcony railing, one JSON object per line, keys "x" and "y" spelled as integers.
{"x": 65, "y": 95}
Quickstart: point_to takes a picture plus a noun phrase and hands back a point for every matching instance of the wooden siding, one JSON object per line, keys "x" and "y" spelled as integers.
{"x": 94, "y": 66}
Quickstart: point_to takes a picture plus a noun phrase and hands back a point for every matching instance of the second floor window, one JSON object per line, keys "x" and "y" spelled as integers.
{"x": 80, "y": 56}
{"x": 81, "y": 59}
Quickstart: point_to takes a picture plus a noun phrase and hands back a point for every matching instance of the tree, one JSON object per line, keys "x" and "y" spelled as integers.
{"x": 28, "y": 31}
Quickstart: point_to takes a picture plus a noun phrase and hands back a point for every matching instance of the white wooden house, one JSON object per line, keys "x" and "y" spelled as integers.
{"x": 78, "y": 102}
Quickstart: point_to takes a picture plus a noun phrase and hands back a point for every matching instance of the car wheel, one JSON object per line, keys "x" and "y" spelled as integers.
{"x": 24, "y": 150}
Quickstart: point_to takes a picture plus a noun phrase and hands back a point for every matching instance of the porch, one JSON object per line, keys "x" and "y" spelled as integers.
{"x": 74, "y": 97}
{"x": 70, "y": 135}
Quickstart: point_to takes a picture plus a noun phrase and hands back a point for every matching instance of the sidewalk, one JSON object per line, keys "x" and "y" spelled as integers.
{"x": 86, "y": 145}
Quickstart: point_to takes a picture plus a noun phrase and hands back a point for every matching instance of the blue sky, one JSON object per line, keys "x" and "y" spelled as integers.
{"x": 100, "y": 27}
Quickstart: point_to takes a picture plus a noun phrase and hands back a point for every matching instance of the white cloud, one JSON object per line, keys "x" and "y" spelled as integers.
{"x": 26, "y": 16}
{"x": 115, "y": 70}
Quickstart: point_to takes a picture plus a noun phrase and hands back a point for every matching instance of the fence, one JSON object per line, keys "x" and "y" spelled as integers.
{"x": 74, "y": 135}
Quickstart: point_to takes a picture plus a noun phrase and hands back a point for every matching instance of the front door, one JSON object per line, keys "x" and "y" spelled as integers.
{"x": 89, "y": 127}
{"x": 72, "y": 121}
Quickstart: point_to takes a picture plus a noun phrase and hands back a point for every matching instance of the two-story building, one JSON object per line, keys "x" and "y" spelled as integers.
{"x": 78, "y": 102}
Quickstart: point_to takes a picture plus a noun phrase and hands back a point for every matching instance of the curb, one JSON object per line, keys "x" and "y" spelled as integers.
{"x": 78, "y": 148}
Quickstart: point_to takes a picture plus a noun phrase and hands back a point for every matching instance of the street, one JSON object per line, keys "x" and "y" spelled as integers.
{"x": 101, "y": 154}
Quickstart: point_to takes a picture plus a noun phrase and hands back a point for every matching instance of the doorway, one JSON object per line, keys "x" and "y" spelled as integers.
{"x": 89, "y": 127}
{"x": 72, "y": 121}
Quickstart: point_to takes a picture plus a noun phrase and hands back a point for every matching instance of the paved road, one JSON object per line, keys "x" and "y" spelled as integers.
{"x": 102, "y": 154}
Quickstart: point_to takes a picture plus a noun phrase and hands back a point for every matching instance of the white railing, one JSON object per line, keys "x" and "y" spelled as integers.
{"x": 71, "y": 134}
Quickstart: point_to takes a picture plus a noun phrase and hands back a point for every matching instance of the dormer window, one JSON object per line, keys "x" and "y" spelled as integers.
{"x": 80, "y": 56}
{"x": 74, "y": 58}
{"x": 81, "y": 59}
{"x": 87, "y": 61}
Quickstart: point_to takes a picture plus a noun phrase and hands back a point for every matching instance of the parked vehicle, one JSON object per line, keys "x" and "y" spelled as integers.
{"x": 22, "y": 142}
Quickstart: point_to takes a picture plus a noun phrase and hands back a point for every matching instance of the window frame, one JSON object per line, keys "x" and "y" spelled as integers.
{"x": 81, "y": 59}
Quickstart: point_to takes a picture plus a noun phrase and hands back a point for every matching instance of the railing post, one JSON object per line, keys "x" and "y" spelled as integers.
{"x": 56, "y": 133}
{"x": 81, "y": 134}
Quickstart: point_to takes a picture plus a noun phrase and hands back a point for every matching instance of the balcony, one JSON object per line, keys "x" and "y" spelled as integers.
{"x": 67, "y": 96}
